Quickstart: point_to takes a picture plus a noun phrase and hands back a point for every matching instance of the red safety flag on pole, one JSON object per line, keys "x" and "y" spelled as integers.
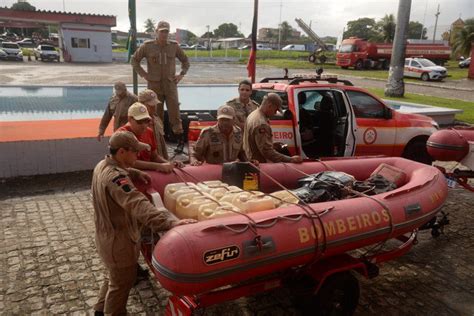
{"x": 252, "y": 63}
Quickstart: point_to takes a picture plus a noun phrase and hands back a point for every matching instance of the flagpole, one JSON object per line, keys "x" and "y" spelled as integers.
{"x": 132, "y": 40}
{"x": 252, "y": 62}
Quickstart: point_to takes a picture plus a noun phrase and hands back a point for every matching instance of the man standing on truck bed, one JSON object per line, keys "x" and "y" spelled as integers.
{"x": 161, "y": 76}
{"x": 243, "y": 105}
{"x": 258, "y": 136}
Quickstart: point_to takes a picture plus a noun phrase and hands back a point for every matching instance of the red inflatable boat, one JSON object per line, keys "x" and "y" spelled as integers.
{"x": 197, "y": 258}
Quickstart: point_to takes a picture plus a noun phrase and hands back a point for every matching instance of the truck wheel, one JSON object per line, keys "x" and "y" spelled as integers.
{"x": 339, "y": 295}
{"x": 322, "y": 59}
{"x": 416, "y": 151}
{"x": 425, "y": 76}
{"x": 359, "y": 64}
{"x": 312, "y": 58}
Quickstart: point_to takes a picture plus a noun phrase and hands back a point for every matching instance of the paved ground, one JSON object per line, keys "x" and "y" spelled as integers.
{"x": 49, "y": 263}
{"x": 41, "y": 73}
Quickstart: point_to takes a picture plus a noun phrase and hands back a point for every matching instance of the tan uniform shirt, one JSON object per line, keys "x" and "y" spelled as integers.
{"x": 118, "y": 108}
{"x": 214, "y": 147}
{"x": 161, "y": 60}
{"x": 242, "y": 111}
{"x": 120, "y": 213}
{"x": 258, "y": 139}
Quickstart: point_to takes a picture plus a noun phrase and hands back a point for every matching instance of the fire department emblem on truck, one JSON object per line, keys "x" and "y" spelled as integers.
{"x": 220, "y": 255}
{"x": 370, "y": 136}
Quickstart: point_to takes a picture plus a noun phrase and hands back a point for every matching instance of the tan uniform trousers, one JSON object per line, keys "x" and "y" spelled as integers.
{"x": 113, "y": 294}
{"x": 167, "y": 91}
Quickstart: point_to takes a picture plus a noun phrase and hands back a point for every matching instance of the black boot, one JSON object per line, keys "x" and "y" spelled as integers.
{"x": 180, "y": 146}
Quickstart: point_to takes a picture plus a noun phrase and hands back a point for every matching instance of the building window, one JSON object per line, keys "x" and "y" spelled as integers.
{"x": 80, "y": 42}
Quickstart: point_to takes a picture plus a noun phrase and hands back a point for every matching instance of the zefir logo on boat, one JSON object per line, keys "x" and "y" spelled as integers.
{"x": 220, "y": 255}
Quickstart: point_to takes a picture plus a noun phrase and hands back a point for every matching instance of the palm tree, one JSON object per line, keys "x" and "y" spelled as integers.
{"x": 464, "y": 38}
{"x": 150, "y": 25}
{"x": 387, "y": 27}
{"x": 286, "y": 31}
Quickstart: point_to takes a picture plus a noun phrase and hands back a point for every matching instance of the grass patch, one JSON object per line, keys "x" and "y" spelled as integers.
{"x": 468, "y": 107}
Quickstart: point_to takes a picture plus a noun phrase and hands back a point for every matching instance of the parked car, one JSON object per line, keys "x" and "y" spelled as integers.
{"x": 12, "y": 50}
{"x": 263, "y": 47}
{"x": 46, "y": 52}
{"x": 424, "y": 69}
{"x": 198, "y": 47}
{"x": 464, "y": 63}
{"x": 26, "y": 42}
{"x": 245, "y": 47}
{"x": 3, "y": 55}
{"x": 116, "y": 45}
{"x": 297, "y": 47}
{"x": 184, "y": 46}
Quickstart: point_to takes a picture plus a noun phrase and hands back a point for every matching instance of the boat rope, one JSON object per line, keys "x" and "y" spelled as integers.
{"x": 361, "y": 194}
{"x": 307, "y": 209}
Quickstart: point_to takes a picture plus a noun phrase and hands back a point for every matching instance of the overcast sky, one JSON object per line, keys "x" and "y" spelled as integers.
{"x": 328, "y": 17}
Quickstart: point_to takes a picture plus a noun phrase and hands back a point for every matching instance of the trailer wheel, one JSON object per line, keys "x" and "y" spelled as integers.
{"x": 312, "y": 58}
{"x": 339, "y": 295}
{"x": 416, "y": 150}
{"x": 359, "y": 64}
{"x": 425, "y": 76}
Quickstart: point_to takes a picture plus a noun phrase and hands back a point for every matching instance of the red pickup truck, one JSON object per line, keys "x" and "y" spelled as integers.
{"x": 333, "y": 118}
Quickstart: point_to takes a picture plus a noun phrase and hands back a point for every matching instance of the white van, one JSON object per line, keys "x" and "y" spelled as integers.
{"x": 300, "y": 47}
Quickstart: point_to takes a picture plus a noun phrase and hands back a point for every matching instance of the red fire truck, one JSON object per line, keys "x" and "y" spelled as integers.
{"x": 361, "y": 54}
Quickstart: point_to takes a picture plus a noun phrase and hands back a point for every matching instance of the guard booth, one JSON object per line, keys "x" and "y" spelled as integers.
{"x": 82, "y": 37}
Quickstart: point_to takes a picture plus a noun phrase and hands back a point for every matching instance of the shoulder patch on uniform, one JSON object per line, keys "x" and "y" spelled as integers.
{"x": 126, "y": 188}
{"x": 262, "y": 130}
{"x": 117, "y": 178}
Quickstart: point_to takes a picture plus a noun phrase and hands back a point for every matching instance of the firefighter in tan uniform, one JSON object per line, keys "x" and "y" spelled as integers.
{"x": 117, "y": 108}
{"x": 149, "y": 98}
{"x": 243, "y": 105}
{"x": 161, "y": 74}
{"x": 220, "y": 143}
{"x": 120, "y": 212}
{"x": 258, "y": 136}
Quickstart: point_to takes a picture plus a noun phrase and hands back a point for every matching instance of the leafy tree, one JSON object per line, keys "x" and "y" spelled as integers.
{"x": 24, "y": 6}
{"x": 386, "y": 28}
{"x": 415, "y": 30}
{"x": 227, "y": 30}
{"x": 464, "y": 38}
{"x": 207, "y": 35}
{"x": 150, "y": 25}
{"x": 363, "y": 28}
{"x": 286, "y": 31}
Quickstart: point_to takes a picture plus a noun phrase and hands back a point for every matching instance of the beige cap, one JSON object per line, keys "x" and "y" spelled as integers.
{"x": 162, "y": 26}
{"x": 138, "y": 111}
{"x": 124, "y": 139}
{"x": 226, "y": 111}
{"x": 148, "y": 95}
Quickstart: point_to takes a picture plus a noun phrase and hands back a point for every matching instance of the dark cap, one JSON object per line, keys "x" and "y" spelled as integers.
{"x": 124, "y": 139}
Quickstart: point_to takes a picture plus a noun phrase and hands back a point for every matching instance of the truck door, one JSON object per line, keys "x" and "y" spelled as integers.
{"x": 323, "y": 122}
{"x": 377, "y": 130}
